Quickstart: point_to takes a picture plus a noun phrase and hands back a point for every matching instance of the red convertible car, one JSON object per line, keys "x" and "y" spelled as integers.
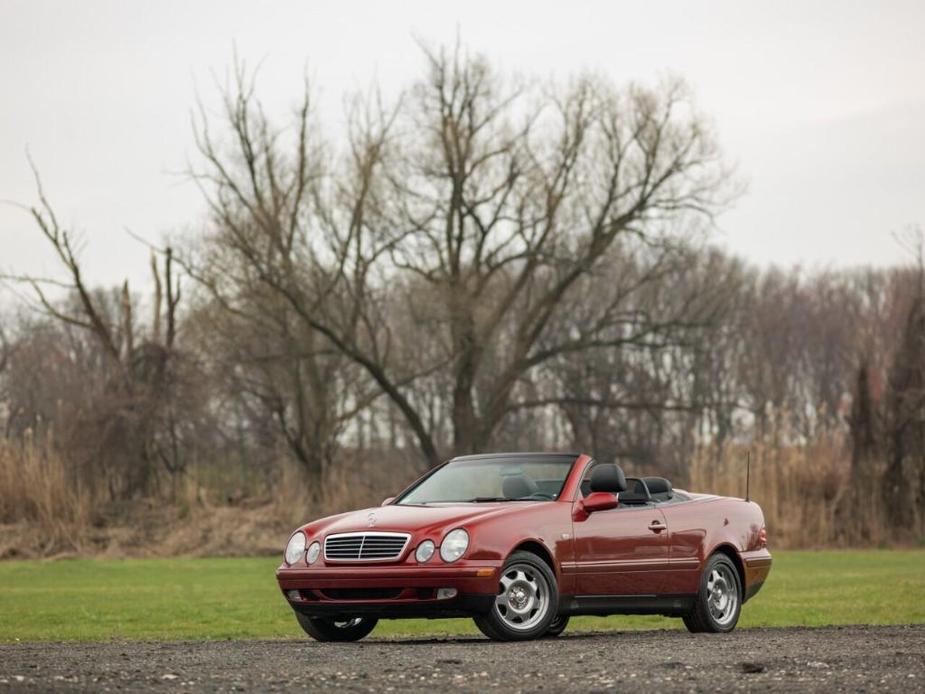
{"x": 522, "y": 541}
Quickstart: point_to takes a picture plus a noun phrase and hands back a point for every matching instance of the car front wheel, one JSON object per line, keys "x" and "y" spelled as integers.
{"x": 526, "y": 603}
{"x": 719, "y": 600}
{"x": 327, "y": 629}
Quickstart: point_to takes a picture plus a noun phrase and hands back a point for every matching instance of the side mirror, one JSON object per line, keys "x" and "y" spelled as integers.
{"x": 387, "y": 501}
{"x": 598, "y": 501}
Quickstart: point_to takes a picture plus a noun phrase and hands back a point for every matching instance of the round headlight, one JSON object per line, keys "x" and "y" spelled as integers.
{"x": 425, "y": 551}
{"x": 295, "y": 548}
{"x": 454, "y": 545}
{"x": 314, "y": 551}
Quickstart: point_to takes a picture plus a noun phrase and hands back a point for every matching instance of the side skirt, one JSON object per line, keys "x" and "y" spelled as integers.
{"x": 601, "y": 605}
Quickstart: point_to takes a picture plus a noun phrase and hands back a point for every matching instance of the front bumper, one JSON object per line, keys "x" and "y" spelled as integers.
{"x": 390, "y": 592}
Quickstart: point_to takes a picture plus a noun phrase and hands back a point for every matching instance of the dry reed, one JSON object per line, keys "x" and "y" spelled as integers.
{"x": 37, "y": 489}
{"x": 804, "y": 490}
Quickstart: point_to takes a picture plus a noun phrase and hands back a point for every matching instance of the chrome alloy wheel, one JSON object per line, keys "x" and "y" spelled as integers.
{"x": 523, "y": 597}
{"x": 722, "y": 595}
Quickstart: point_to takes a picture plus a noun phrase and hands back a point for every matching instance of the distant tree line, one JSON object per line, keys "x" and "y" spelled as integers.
{"x": 481, "y": 264}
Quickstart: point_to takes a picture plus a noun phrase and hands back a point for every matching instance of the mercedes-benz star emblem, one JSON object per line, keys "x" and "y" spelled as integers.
{"x": 371, "y": 519}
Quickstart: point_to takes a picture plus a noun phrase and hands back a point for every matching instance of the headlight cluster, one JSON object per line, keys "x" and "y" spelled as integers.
{"x": 454, "y": 545}
{"x": 295, "y": 548}
{"x": 425, "y": 551}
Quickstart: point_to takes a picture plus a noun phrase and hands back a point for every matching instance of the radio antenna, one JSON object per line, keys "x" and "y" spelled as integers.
{"x": 748, "y": 470}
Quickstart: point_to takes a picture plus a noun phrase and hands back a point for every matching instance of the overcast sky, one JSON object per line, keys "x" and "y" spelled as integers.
{"x": 821, "y": 104}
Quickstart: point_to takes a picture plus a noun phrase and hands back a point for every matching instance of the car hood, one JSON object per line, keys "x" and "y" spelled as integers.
{"x": 418, "y": 520}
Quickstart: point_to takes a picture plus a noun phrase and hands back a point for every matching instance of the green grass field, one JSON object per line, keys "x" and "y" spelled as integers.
{"x": 92, "y": 600}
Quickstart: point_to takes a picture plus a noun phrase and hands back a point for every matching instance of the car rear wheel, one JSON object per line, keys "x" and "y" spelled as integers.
{"x": 557, "y": 626}
{"x": 327, "y": 629}
{"x": 526, "y": 603}
{"x": 719, "y": 600}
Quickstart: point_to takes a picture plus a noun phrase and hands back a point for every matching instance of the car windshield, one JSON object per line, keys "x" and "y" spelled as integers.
{"x": 493, "y": 479}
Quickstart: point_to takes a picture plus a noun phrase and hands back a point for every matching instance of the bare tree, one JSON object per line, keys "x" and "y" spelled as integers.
{"x": 904, "y": 480}
{"x": 131, "y": 424}
{"x": 498, "y": 199}
{"x": 4, "y": 350}
{"x": 281, "y": 228}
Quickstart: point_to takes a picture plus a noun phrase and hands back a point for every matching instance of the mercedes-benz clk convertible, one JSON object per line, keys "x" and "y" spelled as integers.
{"x": 520, "y": 542}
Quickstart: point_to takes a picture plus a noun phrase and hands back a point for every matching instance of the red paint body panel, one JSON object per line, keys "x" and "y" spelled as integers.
{"x": 617, "y": 554}
{"x": 655, "y": 550}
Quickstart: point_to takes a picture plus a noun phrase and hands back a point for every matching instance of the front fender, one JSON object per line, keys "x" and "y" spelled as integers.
{"x": 544, "y": 529}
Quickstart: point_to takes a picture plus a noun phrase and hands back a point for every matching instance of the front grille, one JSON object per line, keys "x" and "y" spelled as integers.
{"x": 365, "y": 546}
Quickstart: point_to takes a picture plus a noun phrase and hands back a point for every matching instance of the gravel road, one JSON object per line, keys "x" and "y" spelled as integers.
{"x": 837, "y": 658}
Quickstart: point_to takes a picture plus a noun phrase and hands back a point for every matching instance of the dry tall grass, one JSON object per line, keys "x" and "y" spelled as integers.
{"x": 37, "y": 490}
{"x": 45, "y": 510}
{"x": 804, "y": 491}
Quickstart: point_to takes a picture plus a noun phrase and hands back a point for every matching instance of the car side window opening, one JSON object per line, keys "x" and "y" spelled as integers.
{"x": 640, "y": 491}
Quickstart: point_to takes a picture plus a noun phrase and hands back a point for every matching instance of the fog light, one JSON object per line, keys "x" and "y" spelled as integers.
{"x": 446, "y": 593}
{"x": 425, "y": 551}
{"x": 293, "y": 595}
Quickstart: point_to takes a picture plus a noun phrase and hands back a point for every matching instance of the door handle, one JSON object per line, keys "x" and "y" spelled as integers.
{"x": 657, "y": 526}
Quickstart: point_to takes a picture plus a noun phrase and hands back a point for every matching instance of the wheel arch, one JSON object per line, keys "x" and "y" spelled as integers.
{"x": 542, "y": 551}
{"x": 733, "y": 554}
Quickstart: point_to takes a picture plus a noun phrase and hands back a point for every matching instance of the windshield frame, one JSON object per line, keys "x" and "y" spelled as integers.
{"x": 464, "y": 460}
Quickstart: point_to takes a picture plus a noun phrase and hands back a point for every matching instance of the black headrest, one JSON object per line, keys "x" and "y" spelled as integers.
{"x": 517, "y": 487}
{"x": 607, "y": 477}
{"x": 659, "y": 488}
{"x": 637, "y": 492}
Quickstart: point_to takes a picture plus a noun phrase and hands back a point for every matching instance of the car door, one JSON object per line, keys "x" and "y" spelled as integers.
{"x": 622, "y": 552}
{"x": 687, "y": 535}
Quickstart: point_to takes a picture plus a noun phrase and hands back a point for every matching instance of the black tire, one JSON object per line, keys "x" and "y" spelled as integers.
{"x": 525, "y": 576}
{"x": 557, "y": 626}
{"x": 719, "y": 601}
{"x": 327, "y": 629}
